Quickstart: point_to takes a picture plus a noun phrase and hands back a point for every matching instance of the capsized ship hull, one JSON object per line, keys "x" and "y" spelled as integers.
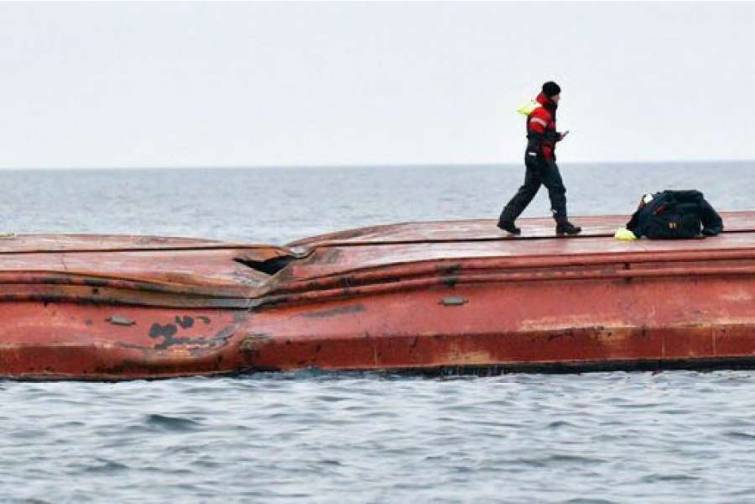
{"x": 429, "y": 297}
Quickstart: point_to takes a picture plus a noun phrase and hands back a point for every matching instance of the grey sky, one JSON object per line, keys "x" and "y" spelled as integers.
{"x": 209, "y": 84}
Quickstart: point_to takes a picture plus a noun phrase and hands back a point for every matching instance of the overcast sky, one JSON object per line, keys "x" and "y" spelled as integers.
{"x": 245, "y": 84}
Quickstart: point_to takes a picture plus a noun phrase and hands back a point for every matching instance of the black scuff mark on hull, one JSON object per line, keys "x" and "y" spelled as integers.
{"x": 450, "y": 281}
{"x": 168, "y": 333}
{"x": 450, "y": 270}
{"x": 167, "y": 330}
{"x": 185, "y": 322}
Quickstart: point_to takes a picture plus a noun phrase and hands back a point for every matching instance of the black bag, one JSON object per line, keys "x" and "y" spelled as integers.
{"x": 674, "y": 215}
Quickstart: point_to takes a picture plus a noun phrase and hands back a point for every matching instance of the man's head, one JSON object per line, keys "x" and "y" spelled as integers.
{"x": 552, "y": 91}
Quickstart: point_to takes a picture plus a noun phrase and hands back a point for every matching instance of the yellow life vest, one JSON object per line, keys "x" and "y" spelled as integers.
{"x": 528, "y": 107}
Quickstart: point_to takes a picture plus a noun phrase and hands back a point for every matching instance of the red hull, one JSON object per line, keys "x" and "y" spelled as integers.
{"x": 435, "y": 297}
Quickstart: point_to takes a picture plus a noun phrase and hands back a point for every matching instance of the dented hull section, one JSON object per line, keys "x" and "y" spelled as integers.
{"x": 445, "y": 297}
{"x": 89, "y": 342}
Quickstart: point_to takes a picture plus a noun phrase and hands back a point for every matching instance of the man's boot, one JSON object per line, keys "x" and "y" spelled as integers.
{"x": 509, "y": 227}
{"x": 567, "y": 228}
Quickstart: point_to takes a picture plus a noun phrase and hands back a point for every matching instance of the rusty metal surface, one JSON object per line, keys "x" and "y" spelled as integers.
{"x": 338, "y": 260}
{"x": 132, "y": 270}
{"x": 375, "y": 300}
{"x": 527, "y": 324}
{"x": 485, "y": 230}
{"x": 427, "y": 296}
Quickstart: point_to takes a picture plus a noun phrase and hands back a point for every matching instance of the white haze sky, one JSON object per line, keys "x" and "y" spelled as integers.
{"x": 245, "y": 84}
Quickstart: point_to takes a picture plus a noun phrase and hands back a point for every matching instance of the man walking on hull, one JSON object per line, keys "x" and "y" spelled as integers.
{"x": 540, "y": 161}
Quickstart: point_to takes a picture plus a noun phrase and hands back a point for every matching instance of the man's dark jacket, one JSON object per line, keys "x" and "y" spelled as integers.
{"x": 675, "y": 214}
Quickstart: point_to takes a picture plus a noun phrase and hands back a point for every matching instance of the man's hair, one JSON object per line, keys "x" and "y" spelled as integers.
{"x": 550, "y": 88}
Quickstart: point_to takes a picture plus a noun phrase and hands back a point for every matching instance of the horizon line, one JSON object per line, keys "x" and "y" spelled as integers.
{"x": 360, "y": 165}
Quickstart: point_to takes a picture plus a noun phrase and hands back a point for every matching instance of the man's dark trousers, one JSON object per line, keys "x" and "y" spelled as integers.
{"x": 539, "y": 171}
